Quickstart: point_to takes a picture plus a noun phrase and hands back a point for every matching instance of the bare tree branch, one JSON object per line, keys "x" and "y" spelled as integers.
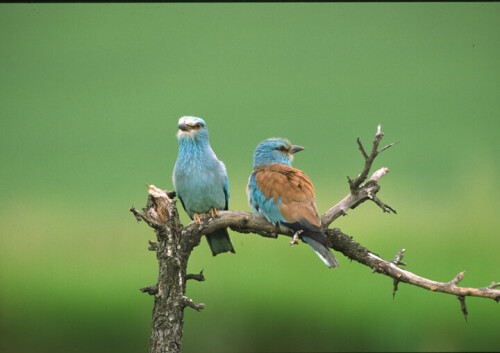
{"x": 388, "y": 268}
{"x": 354, "y": 184}
{"x": 253, "y": 223}
{"x": 366, "y": 192}
{"x": 175, "y": 243}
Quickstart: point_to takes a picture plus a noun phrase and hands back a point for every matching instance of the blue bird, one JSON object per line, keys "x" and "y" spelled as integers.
{"x": 285, "y": 195}
{"x": 200, "y": 179}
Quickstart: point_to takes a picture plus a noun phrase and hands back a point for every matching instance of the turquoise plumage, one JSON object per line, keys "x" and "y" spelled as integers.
{"x": 285, "y": 195}
{"x": 200, "y": 179}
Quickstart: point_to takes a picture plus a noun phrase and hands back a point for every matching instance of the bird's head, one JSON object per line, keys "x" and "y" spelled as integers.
{"x": 192, "y": 128}
{"x": 275, "y": 150}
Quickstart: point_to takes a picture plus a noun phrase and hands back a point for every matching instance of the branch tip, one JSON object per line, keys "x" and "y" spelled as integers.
{"x": 463, "y": 307}
{"x": 362, "y": 149}
{"x": 385, "y": 207}
{"x": 198, "y": 277}
{"x": 493, "y": 285}
{"x": 141, "y": 216}
{"x": 394, "y": 287}
{"x": 386, "y": 147}
{"x": 153, "y": 245}
{"x": 399, "y": 256}
{"x": 136, "y": 213}
{"x": 458, "y": 278}
{"x": 151, "y": 290}
{"x": 189, "y": 302}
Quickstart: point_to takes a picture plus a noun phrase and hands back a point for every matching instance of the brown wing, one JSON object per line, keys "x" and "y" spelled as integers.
{"x": 295, "y": 190}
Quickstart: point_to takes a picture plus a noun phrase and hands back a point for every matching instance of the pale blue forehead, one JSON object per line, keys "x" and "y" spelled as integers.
{"x": 192, "y": 120}
{"x": 274, "y": 142}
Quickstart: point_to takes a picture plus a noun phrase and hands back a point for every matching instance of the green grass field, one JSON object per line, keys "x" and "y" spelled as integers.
{"x": 90, "y": 98}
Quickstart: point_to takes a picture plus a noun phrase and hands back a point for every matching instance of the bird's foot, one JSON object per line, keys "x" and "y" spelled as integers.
{"x": 197, "y": 218}
{"x": 295, "y": 239}
{"x": 213, "y": 212}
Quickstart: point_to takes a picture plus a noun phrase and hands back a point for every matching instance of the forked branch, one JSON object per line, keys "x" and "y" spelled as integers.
{"x": 355, "y": 184}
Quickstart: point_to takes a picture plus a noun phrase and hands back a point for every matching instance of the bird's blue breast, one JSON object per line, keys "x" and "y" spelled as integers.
{"x": 200, "y": 180}
{"x": 267, "y": 207}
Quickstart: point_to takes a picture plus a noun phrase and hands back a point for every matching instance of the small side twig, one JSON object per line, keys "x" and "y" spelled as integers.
{"x": 362, "y": 149}
{"x": 386, "y": 147}
{"x": 151, "y": 290}
{"x": 188, "y": 302}
{"x": 463, "y": 307}
{"x": 397, "y": 261}
{"x": 153, "y": 245}
{"x": 198, "y": 277}
{"x": 399, "y": 256}
{"x": 453, "y": 284}
{"x": 139, "y": 216}
{"x": 493, "y": 285}
{"x": 458, "y": 278}
{"x": 385, "y": 207}
{"x": 395, "y": 283}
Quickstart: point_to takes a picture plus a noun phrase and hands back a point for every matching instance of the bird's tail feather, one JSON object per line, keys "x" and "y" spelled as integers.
{"x": 220, "y": 242}
{"x": 323, "y": 252}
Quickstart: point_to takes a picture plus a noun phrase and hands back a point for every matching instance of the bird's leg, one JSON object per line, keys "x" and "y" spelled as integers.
{"x": 213, "y": 212}
{"x": 197, "y": 218}
{"x": 295, "y": 239}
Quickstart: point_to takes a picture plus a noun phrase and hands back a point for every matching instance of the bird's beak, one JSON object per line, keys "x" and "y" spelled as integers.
{"x": 183, "y": 127}
{"x": 296, "y": 148}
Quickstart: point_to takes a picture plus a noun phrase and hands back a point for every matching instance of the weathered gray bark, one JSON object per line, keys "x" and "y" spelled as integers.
{"x": 175, "y": 243}
{"x": 172, "y": 251}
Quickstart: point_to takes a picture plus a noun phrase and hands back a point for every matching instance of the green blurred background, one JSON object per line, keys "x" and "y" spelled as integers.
{"x": 90, "y": 98}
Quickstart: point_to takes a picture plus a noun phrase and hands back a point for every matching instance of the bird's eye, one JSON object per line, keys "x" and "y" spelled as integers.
{"x": 197, "y": 126}
{"x": 282, "y": 148}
